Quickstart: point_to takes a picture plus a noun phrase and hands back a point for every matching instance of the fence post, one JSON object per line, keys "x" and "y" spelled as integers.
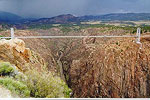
{"x": 12, "y": 33}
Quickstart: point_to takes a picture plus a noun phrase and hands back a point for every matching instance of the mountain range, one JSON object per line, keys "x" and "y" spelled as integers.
{"x": 68, "y": 18}
{"x": 6, "y": 17}
{"x": 9, "y": 17}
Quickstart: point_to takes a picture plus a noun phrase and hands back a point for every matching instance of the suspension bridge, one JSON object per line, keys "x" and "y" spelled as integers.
{"x": 137, "y": 36}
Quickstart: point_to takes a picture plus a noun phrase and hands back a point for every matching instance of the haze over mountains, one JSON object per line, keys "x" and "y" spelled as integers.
{"x": 9, "y": 17}
{"x": 6, "y": 17}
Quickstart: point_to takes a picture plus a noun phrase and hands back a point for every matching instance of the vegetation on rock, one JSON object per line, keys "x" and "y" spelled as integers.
{"x": 34, "y": 83}
{"x": 15, "y": 86}
{"x": 6, "y": 68}
{"x": 44, "y": 84}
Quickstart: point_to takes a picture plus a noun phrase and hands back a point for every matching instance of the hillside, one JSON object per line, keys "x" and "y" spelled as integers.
{"x": 117, "y": 16}
{"x": 61, "y": 19}
{"x": 70, "y": 19}
{"x": 7, "y": 17}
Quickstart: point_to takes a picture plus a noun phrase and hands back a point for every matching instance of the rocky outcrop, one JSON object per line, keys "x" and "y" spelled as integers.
{"x": 15, "y": 52}
{"x": 40, "y": 46}
{"x": 117, "y": 70}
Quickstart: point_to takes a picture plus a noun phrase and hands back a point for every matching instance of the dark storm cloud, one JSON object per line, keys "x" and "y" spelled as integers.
{"x": 48, "y": 8}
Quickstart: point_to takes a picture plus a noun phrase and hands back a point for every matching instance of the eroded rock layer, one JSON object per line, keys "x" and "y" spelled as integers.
{"x": 119, "y": 69}
{"x": 15, "y": 52}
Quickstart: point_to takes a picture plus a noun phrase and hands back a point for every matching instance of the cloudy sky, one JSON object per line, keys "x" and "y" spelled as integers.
{"x": 49, "y": 8}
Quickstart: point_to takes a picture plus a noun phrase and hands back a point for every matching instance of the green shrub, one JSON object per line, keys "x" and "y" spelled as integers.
{"x": 15, "y": 87}
{"x": 44, "y": 84}
{"x": 66, "y": 29}
{"x": 38, "y": 26}
{"x": 6, "y": 68}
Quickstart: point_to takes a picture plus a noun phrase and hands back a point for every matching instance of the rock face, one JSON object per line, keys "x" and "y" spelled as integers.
{"x": 41, "y": 46}
{"x": 15, "y": 52}
{"x": 115, "y": 70}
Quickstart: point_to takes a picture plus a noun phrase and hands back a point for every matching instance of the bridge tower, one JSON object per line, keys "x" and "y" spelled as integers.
{"x": 12, "y": 33}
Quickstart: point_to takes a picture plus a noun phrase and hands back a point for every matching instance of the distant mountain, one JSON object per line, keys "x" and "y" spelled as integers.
{"x": 9, "y": 17}
{"x": 6, "y": 17}
{"x": 68, "y": 18}
{"x": 117, "y": 16}
{"x": 61, "y": 19}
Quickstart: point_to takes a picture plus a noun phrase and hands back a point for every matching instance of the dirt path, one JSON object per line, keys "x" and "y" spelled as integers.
{"x": 5, "y": 93}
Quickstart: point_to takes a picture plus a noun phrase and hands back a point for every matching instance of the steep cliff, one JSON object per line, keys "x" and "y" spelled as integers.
{"x": 116, "y": 69}
{"x": 15, "y": 52}
{"x": 24, "y": 73}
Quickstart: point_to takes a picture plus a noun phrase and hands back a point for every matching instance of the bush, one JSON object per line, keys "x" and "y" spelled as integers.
{"x": 15, "y": 87}
{"x": 6, "y": 68}
{"x": 44, "y": 84}
{"x": 34, "y": 83}
{"x": 66, "y": 29}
